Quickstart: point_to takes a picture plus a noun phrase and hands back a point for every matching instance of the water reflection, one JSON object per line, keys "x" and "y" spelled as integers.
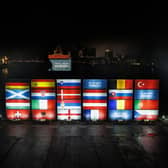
{"x": 149, "y": 139}
{"x": 122, "y": 130}
{"x": 5, "y": 71}
{"x": 16, "y": 130}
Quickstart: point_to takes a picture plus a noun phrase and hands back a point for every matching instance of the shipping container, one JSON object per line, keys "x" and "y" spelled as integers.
{"x": 95, "y": 99}
{"x": 43, "y": 99}
{"x": 17, "y": 96}
{"x": 146, "y": 99}
{"x": 120, "y": 99}
{"x": 68, "y": 99}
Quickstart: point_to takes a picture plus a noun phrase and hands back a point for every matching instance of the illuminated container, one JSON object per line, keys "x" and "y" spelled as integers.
{"x": 120, "y": 105}
{"x": 68, "y": 99}
{"x": 151, "y": 84}
{"x": 60, "y": 62}
{"x": 17, "y": 100}
{"x": 94, "y": 99}
{"x": 43, "y": 99}
{"x": 146, "y": 99}
{"x": 146, "y": 94}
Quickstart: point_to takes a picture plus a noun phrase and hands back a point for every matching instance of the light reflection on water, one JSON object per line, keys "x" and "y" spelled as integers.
{"x": 149, "y": 139}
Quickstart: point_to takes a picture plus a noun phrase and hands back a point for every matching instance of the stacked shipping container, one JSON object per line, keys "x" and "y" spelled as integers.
{"x": 17, "y": 100}
{"x": 43, "y": 99}
{"x": 68, "y": 99}
{"x": 146, "y": 100}
{"x": 94, "y": 99}
{"x": 120, "y": 99}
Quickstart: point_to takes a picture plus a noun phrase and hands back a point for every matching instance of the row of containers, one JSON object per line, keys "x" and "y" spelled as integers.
{"x": 88, "y": 99}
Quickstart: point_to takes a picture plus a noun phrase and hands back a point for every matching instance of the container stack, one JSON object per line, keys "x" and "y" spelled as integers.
{"x": 68, "y": 99}
{"x": 146, "y": 99}
{"x": 43, "y": 99}
{"x": 17, "y": 100}
{"x": 94, "y": 99}
{"x": 120, "y": 99}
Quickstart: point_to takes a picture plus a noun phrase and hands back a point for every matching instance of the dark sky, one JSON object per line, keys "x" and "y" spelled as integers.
{"x": 80, "y": 22}
{"x": 35, "y": 28}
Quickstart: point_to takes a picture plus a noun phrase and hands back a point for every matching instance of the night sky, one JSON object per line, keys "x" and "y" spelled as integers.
{"x": 39, "y": 28}
{"x": 32, "y": 30}
{"x": 48, "y": 25}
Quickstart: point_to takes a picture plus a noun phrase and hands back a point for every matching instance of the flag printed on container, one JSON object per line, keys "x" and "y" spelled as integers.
{"x": 69, "y": 84}
{"x": 17, "y": 94}
{"x": 146, "y": 104}
{"x": 43, "y": 114}
{"x": 94, "y": 84}
{"x": 43, "y": 104}
{"x": 121, "y": 84}
{"x": 43, "y": 98}
{"x": 42, "y": 84}
{"x": 69, "y": 103}
{"x": 147, "y": 84}
{"x": 120, "y": 114}
{"x": 68, "y": 99}
{"x": 146, "y": 115}
{"x": 69, "y": 94}
{"x": 17, "y": 114}
{"x": 120, "y": 94}
{"x": 17, "y": 104}
{"x": 94, "y": 115}
{"x": 17, "y": 100}
{"x": 96, "y": 95}
{"x": 146, "y": 94}
{"x": 94, "y": 99}
{"x": 120, "y": 104}
{"x": 16, "y": 85}
{"x": 45, "y": 94}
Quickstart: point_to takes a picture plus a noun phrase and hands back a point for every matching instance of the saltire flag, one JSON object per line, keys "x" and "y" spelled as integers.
{"x": 17, "y": 100}
{"x": 147, "y": 84}
{"x": 94, "y": 99}
{"x": 42, "y": 84}
{"x": 146, "y": 104}
{"x": 147, "y": 94}
{"x": 120, "y": 104}
{"x": 68, "y": 99}
{"x": 146, "y": 114}
{"x": 120, "y": 94}
{"x": 120, "y": 114}
{"x": 22, "y": 114}
{"x": 17, "y": 94}
{"x": 43, "y": 98}
{"x": 121, "y": 84}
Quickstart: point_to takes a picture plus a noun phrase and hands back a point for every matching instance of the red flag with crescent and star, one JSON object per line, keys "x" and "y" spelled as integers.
{"x": 147, "y": 84}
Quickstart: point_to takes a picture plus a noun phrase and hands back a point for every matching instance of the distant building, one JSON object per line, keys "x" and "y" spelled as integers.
{"x": 4, "y": 60}
{"x": 87, "y": 52}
